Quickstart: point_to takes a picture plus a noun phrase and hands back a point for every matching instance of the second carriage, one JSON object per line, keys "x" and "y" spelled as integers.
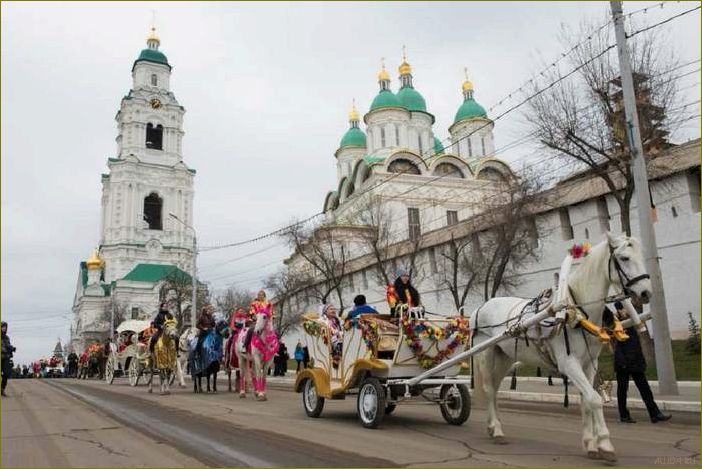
{"x": 128, "y": 355}
{"x": 376, "y": 360}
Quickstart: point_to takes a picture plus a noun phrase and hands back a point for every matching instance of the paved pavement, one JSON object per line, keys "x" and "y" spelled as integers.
{"x": 42, "y": 427}
{"x": 223, "y": 430}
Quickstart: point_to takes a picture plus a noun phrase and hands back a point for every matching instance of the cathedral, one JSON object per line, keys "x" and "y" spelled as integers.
{"x": 399, "y": 150}
{"x": 147, "y": 206}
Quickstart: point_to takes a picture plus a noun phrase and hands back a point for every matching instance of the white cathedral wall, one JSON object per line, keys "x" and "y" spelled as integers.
{"x": 678, "y": 239}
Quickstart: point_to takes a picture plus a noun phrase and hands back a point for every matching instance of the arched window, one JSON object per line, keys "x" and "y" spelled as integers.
{"x": 153, "y": 205}
{"x": 397, "y": 135}
{"x": 382, "y": 137}
{"x": 154, "y": 80}
{"x": 448, "y": 170}
{"x": 470, "y": 148}
{"x": 154, "y": 136}
{"x": 419, "y": 143}
{"x": 403, "y": 166}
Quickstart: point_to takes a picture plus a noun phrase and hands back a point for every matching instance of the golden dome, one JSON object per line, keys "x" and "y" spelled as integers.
{"x": 95, "y": 263}
{"x": 467, "y": 85}
{"x": 405, "y": 68}
{"x": 353, "y": 115}
{"x": 153, "y": 37}
{"x": 383, "y": 75}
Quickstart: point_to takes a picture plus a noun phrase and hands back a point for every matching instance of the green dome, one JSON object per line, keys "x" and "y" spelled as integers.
{"x": 411, "y": 99}
{"x": 385, "y": 98}
{"x": 354, "y": 137}
{"x": 469, "y": 110}
{"x": 152, "y": 55}
{"x": 438, "y": 147}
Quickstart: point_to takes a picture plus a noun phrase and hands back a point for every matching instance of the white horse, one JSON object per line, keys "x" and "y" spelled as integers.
{"x": 617, "y": 264}
{"x": 263, "y": 347}
{"x": 184, "y": 352}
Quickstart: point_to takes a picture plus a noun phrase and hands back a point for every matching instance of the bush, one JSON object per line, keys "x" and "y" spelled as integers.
{"x": 693, "y": 340}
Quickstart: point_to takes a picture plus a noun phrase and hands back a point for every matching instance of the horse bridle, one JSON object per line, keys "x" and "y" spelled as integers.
{"x": 624, "y": 279}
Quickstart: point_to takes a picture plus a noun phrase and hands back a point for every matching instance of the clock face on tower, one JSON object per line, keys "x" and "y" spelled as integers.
{"x": 155, "y": 103}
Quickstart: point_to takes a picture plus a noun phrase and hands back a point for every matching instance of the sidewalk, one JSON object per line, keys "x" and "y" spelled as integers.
{"x": 532, "y": 389}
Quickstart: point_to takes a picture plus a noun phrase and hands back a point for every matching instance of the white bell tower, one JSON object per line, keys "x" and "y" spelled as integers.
{"x": 147, "y": 179}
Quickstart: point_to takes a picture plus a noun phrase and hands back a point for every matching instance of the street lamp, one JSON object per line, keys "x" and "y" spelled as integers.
{"x": 194, "y": 301}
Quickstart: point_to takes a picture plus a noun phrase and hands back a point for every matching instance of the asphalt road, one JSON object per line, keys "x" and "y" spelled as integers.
{"x": 223, "y": 430}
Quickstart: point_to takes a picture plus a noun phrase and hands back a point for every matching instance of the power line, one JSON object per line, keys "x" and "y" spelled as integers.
{"x": 453, "y": 142}
{"x": 667, "y": 20}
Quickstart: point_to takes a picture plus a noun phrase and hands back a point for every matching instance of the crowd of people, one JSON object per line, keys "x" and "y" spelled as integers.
{"x": 629, "y": 361}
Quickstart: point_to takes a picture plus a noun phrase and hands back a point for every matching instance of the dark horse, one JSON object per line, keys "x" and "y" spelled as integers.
{"x": 206, "y": 363}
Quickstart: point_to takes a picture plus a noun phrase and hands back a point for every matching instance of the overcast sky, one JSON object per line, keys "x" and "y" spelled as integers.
{"x": 267, "y": 89}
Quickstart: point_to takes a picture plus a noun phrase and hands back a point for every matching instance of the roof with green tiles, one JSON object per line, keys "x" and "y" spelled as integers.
{"x": 154, "y": 273}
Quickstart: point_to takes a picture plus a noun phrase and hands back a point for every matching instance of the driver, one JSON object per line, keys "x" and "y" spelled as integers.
{"x": 402, "y": 292}
{"x": 158, "y": 322}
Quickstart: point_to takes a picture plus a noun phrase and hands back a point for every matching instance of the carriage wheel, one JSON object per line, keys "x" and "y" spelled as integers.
{"x": 390, "y": 408}
{"x": 371, "y": 403}
{"x": 110, "y": 370}
{"x": 455, "y": 403}
{"x": 134, "y": 372}
{"x": 311, "y": 401}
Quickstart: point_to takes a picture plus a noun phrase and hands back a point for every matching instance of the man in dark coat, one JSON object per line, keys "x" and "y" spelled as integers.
{"x": 158, "y": 322}
{"x": 204, "y": 325}
{"x": 7, "y": 351}
{"x": 629, "y": 362}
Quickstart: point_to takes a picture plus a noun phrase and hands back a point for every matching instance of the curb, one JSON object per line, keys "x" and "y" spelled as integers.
{"x": 632, "y": 403}
{"x": 286, "y": 384}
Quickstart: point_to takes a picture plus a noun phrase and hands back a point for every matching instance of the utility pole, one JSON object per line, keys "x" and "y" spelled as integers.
{"x": 193, "y": 312}
{"x": 661, "y": 333}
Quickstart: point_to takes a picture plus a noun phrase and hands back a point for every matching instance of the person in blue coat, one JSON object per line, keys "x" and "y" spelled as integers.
{"x": 360, "y": 307}
{"x": 299, "y": 355}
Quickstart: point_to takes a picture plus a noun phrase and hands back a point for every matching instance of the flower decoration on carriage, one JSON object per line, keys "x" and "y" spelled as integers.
{"x": 416, "y": 329}
{"x": 578, "y": 251}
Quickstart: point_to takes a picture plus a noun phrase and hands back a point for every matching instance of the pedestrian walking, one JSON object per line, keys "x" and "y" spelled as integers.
{"x": 299, "y": 355}
{"x": 306, "y": 356}
{"x": 7, "y": 351}
{"x": 629, "y": 362}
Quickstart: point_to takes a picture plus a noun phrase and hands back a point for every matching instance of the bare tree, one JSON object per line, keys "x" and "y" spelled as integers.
{"x": 379, "y": 238}
{"x": 283, "y": 285}
{"x": 324, "y": 256}
{"x": 513, "y": 239}
{"x": 461, "y": 268}
{"x": 231, "y": 299}
{"x": 177, "y": 288}
{"x": 581, "y": 119}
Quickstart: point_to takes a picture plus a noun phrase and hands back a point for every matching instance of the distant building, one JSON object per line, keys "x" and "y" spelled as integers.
{"x": 140, "y": 245}
{"x": 433, "y": 193}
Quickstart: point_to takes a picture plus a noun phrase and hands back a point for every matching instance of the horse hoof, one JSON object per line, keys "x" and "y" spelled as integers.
{"x": 499, "y": 440}
{"x": 593, "y": 455}
{"x": 150, "y": 391}
{"x": 608, "y": 456}
{"x": 242, "y": 395}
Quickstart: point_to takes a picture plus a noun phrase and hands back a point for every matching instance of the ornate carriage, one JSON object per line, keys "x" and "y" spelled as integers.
{"x": 377, "y": 358}
{"x": 128, "y": 354}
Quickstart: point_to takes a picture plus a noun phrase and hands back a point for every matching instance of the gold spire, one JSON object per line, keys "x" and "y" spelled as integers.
{"x": 405, "y": 68}
{"x": 152, "y": 35}
{"x": 467, "y": 85}
{"x": 95, "y": 263}
{"x": 353, "y": 115}
{"x": 383, "y": 75}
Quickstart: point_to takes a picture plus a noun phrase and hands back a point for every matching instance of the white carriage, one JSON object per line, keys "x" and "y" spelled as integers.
{"x": 377, "y": 359}
{"x": 128, "y": 354}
